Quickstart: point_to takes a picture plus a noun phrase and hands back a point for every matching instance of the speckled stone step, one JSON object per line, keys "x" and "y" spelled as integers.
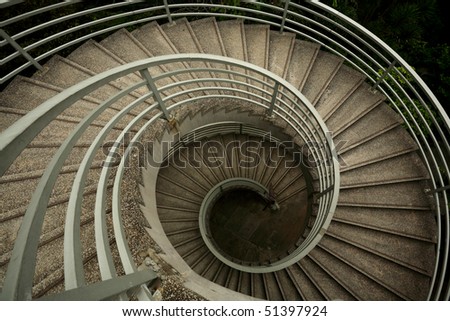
{"x": 64, "y": 73}
{"x": 361, "y": 286}
{"x": 401, "y": 168}
{"x": 406, "y": 283}
{"x": 324, "y": 69}
{"x": 375, "y": 123}
{"x": 329, "y": 287}
{"x": 302, "y": 60}
{"x": 287, "y": 285}
{"x": 308, "y": 289}
{"x": 421, "y": 225}
{"x": 26, "y": 94}
{"x": 393, "y": 142}
{"x": 341, "y": 87}
{"x": 281, "y": 47}
{"x": 399, "y": 249}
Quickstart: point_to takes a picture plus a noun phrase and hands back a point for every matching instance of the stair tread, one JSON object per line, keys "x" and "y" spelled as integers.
{"x": 64, "y": 73}
{"x": 233, "y": 38}
{"x": 256, "y": 37}
{"x": 400, "y": 249}
{"x": 280, "y": 52}
{"x": 354, "y": 107}
{"x": 325, "y": 67}
{"x": 272, "y": 287}
{"x": 181, "y": 35}
{"x": 208, "y": 35}
{"x": 409, "y": 194}
{"x": 333, "y": 290}
{"x": 420, "y": 224}
{"x": 290, "y": 291}
{"x": 403, "y": 167}
{"x": 342, "y": 86}
{"x": 380, "y": 119}
{"x": 124, "y": 45}
{"x": 403, "y": 281}
{"x": 308, "y": 290}
{"x": 303, "y": 56}
{"x": 392, "y": 142}
{"x": 18, "y": 193}
{"x": 361, "y": 286}
{"x": 31, "y": 93}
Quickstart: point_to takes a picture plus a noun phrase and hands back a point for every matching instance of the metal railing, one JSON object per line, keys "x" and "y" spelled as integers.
{"x": 311, "y": 20}
{"x": 272, "y": 94}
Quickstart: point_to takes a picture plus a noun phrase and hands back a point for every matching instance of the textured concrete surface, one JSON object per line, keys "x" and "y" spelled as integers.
{"x": 380, "y": 245}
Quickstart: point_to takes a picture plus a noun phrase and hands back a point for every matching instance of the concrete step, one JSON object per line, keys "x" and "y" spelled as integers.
{"x": 361, "y": 286}
{"x": 208, "y": 35}
{"x": 402, "y": 168}
{"x": 341, "y": 87}
{"x": 290, "y": 291}
{"x": 362, "y": 101}
{"x": 233, "y": 38}
{"x": 302, "y": 60}
{"x": 232, "y": 34}
{"x": 31, "y": 93}
{"x": 306, "y": 288}
{"x": 266, "y": 160}
{"x": 281, "y": 47}
{"x": 17, "y": 194}
{"x": 210, "y": 270}
{"x": 222, "y": 275}
{"x": 62, "y": 72}
{"x": 326, "y": 283}
{"x": 127, "y": 48}
{"x": 183, "y": 37}
{"x": 53, "y": 226}
{"x": 258, "y": 287}
{"x": 375, "y": 123}
{"x": 297, "y": 190}
{"x": 168, "y": 181}
{"x": 230, "y": 147}
{"x": 393, "y": 142}
{"x": 186, "y": 240}
{"x": 232, "y": 281}
{"x": 257, "y": 39}
{"x": 324, "y": 69}
{"x": 193, "y": 157}
{"x": 420, "y": 224}
{"x": 101, "y": 59}
{"x": 172, "y": 200}
{"x": 215, "y": 157}
{"x": 273, "y": 288}
{"x": 406, "y": 283}
{"x": 98, "y": 59}
{"x": 398, "y": 249}
{"x": 396, "y": 195}
{"x": 154, "y": 39}
{"x": 187, "y": 175}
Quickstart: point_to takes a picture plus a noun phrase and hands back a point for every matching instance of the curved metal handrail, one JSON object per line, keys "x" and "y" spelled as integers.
{"x": 283, "y": 100}
{"x": 424, "y": 116}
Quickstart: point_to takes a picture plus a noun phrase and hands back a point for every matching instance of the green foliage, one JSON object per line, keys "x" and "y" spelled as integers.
{"x": 409, "y": 108}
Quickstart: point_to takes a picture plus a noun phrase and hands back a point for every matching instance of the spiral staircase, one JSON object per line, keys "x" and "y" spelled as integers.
{"x": 100, "y": 161}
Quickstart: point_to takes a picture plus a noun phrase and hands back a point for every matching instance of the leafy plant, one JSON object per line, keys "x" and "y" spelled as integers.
{"x": 411, "y": 108}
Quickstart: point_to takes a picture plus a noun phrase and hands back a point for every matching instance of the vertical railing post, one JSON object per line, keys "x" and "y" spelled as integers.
{"x": 156, "y": 94}
{"x": 274, "y": 98}
{"x": 283, "y": 21}
{"x": 169, "y": 16}
{"x": 22, "y": 51}
{"x": 384, "y": 75}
